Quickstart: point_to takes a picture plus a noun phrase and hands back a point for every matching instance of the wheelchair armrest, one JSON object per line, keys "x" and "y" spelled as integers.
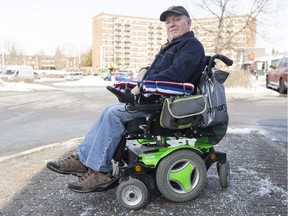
{"x": 122, "y": 97}
{"x": 144, "y": 107}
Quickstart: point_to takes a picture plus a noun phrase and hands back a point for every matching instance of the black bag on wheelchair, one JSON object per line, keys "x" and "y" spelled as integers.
{"x": 212, "y": 87}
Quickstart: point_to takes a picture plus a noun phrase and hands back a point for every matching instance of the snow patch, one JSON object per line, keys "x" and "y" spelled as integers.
{"x": 263, "y": 186}
{"x": 268, "y": 188}
{"x": 22, "y": 86}
{"x": 240, "y": 130}
{"x": 85, "y": 81}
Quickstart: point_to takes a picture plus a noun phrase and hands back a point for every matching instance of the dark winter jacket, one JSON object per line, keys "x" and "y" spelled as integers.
{"x": 182, "y": 60}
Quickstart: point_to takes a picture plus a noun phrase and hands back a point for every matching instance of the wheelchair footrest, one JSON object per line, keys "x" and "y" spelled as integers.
{"x": 112, "y": 184}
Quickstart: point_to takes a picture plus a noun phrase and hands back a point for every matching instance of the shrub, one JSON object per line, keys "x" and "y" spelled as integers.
{"x": 238, "y": 78}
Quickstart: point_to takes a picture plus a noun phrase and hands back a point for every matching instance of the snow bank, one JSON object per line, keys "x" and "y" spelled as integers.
{"x": 22, "y": 86}
{"x": 258, "y": 86}
{"x": 85, "y": 81}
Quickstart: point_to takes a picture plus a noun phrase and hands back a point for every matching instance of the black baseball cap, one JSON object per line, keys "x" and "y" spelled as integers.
{"x": 174, "y": 9}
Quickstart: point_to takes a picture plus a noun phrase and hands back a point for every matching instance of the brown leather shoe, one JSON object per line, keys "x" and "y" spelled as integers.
{"x": 70, "y": 165}
{"x": 92, "y": 181}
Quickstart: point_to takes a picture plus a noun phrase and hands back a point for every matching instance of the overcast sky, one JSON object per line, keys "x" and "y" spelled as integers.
{"x": 35, "y": 26}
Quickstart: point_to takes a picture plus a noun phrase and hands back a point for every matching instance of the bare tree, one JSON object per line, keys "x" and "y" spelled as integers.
{"x": 86, "y": 59}
{"x": 11, "y": 56}
{"x": 223, "y": 10}
{"x": 59, "y": 59}
{"x": 72, "y": 53}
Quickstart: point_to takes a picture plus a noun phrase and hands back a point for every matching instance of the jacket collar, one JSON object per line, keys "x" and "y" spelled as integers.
{"x": 177, "y": 40}
{"x": 186, "y": 35}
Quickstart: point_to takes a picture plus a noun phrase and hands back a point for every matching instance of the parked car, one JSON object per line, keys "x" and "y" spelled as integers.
{"x": 119, "y": 77}
{"x": 73, "y": 76}
{"x": 18, "y": 72}
{"x": 277, "y": 76}
{"x": 102, "y": 73}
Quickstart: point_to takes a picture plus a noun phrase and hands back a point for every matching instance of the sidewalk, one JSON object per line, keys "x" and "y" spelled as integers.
{"x": 258, "y": 184}
{"x": 16, "y": 171}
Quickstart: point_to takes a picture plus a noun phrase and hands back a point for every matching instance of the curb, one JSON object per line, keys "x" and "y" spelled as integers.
{"x": 68, "y": 143}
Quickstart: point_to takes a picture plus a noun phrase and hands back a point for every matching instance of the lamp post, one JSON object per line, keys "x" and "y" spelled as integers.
{"x": 2, "y": 56}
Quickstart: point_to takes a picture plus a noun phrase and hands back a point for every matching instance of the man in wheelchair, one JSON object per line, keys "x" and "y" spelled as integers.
{"x": 180, "y": 60}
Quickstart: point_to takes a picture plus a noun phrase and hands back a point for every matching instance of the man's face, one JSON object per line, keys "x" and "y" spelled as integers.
{"x": 176, "y": 25}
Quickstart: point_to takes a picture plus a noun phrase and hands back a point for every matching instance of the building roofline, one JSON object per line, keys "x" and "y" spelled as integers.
{"x": 124, "y": 16}
{"x": 225, "y": 17}
{"x": 156, "y": 19}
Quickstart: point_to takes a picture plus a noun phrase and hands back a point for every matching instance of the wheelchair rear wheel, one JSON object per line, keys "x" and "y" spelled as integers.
{"x": 132, "y": 194}
{"x": 181, "y": 175}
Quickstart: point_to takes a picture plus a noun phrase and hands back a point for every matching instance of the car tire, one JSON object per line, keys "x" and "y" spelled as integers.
{"x": 282, "y": 87}
{"x": 267, "y": 82}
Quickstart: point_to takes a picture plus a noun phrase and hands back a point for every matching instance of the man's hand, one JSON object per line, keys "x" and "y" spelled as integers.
{"x": 141, "y": 74}
{"x": 135, "y": 90}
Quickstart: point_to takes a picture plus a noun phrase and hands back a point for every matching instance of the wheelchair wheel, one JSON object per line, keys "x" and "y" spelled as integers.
{"x": 181, "y": 175}
{"x": 132, "y": 194}
{"x": 224, "y": 174}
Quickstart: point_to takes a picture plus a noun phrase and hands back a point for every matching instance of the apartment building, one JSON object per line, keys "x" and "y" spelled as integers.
{"x": 127, "y": 42}
{"x": 234, "y": 36}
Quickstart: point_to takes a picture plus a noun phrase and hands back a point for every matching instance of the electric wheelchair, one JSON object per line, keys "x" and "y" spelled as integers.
{"x": 174, "y": 161}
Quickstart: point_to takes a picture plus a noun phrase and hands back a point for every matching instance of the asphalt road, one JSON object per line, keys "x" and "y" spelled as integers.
{"x": 265, "y": 114}
{"x": 37, "y": 118}
{"x": 258, "y": 182}
{"x": 33, "y": 119}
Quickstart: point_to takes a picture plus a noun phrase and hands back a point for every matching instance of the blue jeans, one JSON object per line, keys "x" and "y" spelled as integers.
{"x": 97, "y": 149}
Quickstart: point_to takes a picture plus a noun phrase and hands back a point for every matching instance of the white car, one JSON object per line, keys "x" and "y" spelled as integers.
{"x": 13, "y": 72}
{"x": 73, "y": 76}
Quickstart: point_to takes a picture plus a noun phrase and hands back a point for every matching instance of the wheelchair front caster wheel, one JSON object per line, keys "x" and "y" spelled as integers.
{"x": 132, "y": 194}
{"x": 224, "y": 174}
